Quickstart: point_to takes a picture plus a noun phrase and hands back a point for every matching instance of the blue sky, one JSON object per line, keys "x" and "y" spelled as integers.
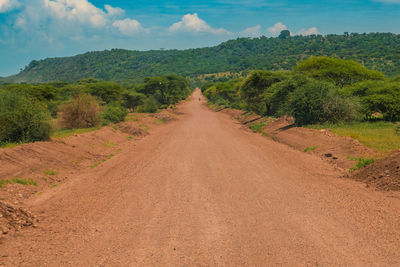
{"x": 36, "y": 29}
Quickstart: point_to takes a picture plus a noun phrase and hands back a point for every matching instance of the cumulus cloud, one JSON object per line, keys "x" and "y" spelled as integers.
{"x": 7, "y": 5}
{"x": 192, "y": 23}
{"x": 75, "y": 17}
{"x": 310, "y": 31}
{"x": 129, "y": 26}
{"x": 252, "y": 31}
{"x": 276, "y": 29}
{"x": 114, "y": 11}
{"x": 76, "y": 10}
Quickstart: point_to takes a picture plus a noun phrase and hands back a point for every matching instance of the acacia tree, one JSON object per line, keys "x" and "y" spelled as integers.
{"x": 338, "y": 71}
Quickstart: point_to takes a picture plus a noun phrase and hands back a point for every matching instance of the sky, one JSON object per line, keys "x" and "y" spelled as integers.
{"x": 37, "y": 29}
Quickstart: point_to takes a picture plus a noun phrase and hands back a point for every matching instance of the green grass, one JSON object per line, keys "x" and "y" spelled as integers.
{"x": 310, "y": 149}
{"x": 53, "y": 185}
{"x": 361, "y": 163}
{"x": 11, "y": 145}
{"x": 102, "y": 161}
{"x": 159, "y": 121}
{"x": 68, "y": 132}
{"x": 144, "y": 127}
{"x": 129, "y": 137}
{"x": 50, "y": 172}
{"x": 132, "y": 118}
{"x": 380, "y": 136}
{"x": 257, "y": 127}
{"x": 108, "y": 144}
{"x": 17, "y": 181}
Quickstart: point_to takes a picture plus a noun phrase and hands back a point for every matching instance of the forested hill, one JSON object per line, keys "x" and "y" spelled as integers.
{"x": 380, "y": 51}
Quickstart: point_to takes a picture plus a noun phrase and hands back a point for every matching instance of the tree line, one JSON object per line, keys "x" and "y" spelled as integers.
{"x": 378, "y": 51}
{"x": 27, "y": 111}
{"x": 317, "y": 90}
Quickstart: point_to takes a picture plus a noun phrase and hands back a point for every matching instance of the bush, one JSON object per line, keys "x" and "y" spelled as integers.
{"x": 82, "y": 111}
{"x": 150, "y": 105}
{"x": 23, "y": 118}
{"x": 114, "y": 113}
{"x": 256, "y": 88}
{"x": 319, "y": 102}
{"x": 377, "y": 97}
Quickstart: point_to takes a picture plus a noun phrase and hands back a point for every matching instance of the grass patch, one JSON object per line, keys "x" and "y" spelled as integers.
{"x": 144, "y": 127}
{"x": 18, "y": 181}
{"x": 53, "y": 185}
{"x": 257, "y": 127}
{"x": 68, "y": 132}
{"x": 310, "y": 149}
{"x": 102, "y": 161}
{"x": 361, "y": 163}
{"x": 159, "y": 121}
{"x": 11, "y": 145}
{"x": 132, "y": 118}
{"x": 129, "y": 137}
{"x": 50, "y": 172}
{"x": 380, "y": 136}
{"x": 108, "y": 144}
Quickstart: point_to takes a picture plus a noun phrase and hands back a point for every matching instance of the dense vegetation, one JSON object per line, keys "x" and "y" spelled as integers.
{"x": 318, "y": 90}
{"x": 28, "y": 112}
{"x": 376, "y": 51}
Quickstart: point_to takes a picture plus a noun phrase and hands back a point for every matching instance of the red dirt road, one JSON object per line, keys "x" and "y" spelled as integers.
{"x": 203, "y": 192}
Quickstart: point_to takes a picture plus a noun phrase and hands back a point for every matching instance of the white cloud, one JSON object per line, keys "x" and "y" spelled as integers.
{"x": 114, "y": 11}
{"x": 76, "y": 10}
{"x": 192, "y": 23}
{"x": 310, "y": 31}
{"x": 252, "y": 31}
{"x": 276, "y": 29}
{"x": 129, "y": 26}
{"x": 7, "y": 5}
{"x": 75, "y": 18}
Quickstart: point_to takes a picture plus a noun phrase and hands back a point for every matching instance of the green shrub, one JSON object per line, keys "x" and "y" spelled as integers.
{"x": 114, "y": 113}
{"x": 82, "y": 111}
{"x": 255, "y": 89}
{"x": 361, "y": 163}
{"x": 150, "y": 105}
{"x": 319, "y": 102}
{"x": 23, "y": 118}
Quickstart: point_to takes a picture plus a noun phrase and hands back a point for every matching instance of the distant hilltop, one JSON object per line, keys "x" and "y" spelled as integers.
{"x": 378, "y": 51}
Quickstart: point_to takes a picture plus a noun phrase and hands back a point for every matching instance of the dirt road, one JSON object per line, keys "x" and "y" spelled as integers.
{"x": 203, "y": 192}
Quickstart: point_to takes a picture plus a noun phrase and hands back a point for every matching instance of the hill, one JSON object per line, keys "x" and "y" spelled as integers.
{"x": 377, "y": 51}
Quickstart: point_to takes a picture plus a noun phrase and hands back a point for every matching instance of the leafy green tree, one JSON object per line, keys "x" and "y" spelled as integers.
{"x": 280, "y": 92}
{"x": 106, "y": 91}
{"x": 284, "y": 34}
{"x": 22, "y": 118}
{"x": 319, "y": 102}
{"x": 255, "y": 90}
{"x": 338, "y": 71}
{"x": 150, "y": 105}
{"x": 377, "y": 97}
{"x": 114, "y": 113}
{"x": 168, "y": 89}
{"x": 131, "y": 100}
